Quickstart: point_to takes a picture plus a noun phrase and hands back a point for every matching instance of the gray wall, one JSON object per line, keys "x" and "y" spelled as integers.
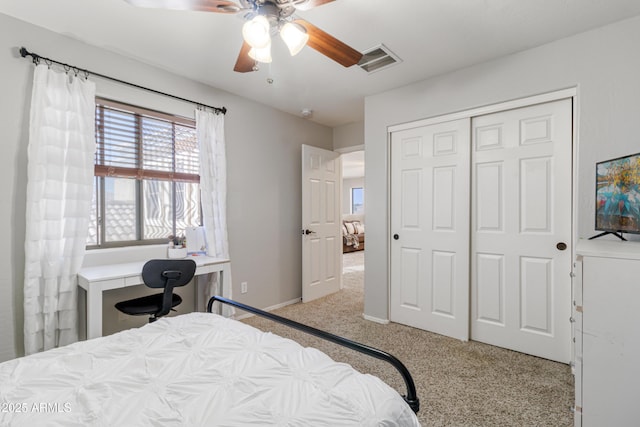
{"x": 349, "y": 135}
{"x": 604, "y": 65}
{"x": 263, "y": 152}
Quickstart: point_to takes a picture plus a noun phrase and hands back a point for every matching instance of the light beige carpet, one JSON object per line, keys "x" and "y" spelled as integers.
{"x": 458, "y": 383}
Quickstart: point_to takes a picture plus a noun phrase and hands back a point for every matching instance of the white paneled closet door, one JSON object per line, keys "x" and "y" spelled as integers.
{"x": 430, "y": 228}
{"x": 521, "y": 229}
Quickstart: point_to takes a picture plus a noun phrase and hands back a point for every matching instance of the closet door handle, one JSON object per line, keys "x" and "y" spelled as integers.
{"x": 561, "y": 246}
{"x": 396, "y": 237}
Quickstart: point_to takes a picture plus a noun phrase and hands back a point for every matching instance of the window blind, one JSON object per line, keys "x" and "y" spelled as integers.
{"x": 133, "y": 142}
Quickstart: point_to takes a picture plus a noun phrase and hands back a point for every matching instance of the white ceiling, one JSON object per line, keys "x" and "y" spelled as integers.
{"x": 430, "y": 36}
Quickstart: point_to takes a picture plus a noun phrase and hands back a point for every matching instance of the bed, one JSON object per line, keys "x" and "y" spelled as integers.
{"x": 195, "y": 369}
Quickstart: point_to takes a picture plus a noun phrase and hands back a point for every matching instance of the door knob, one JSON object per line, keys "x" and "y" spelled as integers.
{"x": 561, "y": 246}
{"x": 307, "y": 231}
{"x": 396, "y": 237}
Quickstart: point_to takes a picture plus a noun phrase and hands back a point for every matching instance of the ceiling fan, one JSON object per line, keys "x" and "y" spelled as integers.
{"x": 264, "y": 19}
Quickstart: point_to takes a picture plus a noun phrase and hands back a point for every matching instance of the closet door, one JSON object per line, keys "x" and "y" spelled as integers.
{"x": 521, "y": 229}
{"x": 430, "y": 228}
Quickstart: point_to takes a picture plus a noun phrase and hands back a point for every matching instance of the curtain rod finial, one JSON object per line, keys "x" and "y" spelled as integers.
{"x": 23, "y": 52}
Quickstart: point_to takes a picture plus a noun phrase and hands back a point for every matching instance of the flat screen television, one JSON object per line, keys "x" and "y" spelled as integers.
{"x": 618, "y": 195}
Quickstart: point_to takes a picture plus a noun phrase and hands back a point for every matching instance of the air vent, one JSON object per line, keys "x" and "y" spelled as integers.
{"x": 378, "y": 58}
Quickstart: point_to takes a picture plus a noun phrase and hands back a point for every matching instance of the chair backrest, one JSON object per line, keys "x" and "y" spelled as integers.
{"x": 156, "y": 272}
{"x": 167, "y": 274}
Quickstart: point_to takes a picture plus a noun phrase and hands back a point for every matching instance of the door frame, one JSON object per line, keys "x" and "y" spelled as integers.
{"x": 571, "y": 92}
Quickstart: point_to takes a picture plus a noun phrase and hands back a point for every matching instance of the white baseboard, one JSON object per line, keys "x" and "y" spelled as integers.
{"x": 375, "y": 319}
{"x": 273, "y": 307}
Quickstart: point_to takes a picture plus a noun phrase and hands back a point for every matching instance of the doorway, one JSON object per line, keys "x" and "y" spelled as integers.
{"x": 353, "y": 219}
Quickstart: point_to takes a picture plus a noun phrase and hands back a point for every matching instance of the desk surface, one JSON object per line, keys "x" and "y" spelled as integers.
{"x": 114, "y": 271}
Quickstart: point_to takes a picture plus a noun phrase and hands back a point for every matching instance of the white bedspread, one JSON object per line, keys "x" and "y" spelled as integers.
{"x": 193, "y": 370}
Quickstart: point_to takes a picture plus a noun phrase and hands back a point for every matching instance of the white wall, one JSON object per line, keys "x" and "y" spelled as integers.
{"x": 347, "y": 185}
{"x": 264, "y": 190}
{"x": 604, "y": 65}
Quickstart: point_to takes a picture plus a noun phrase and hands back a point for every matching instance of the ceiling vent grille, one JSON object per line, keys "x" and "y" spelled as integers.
{"x": 378, "y": 58}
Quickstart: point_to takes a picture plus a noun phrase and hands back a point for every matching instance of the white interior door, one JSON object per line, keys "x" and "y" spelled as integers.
{"x": 521, "y": 229}
{"x": 321, "y": 229}
{"x": 430, "y": 228}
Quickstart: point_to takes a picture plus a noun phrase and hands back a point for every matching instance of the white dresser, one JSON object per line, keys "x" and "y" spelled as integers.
{"x": 607, "y": 333}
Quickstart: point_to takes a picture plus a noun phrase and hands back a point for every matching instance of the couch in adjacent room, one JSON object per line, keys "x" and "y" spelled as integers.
{"x": 352, "y": 233}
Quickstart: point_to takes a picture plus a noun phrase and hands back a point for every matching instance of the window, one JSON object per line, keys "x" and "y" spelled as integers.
{"x": 357, "y": 200}
{"x": 146, "y": 176}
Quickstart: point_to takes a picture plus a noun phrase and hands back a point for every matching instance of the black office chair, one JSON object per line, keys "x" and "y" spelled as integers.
{"x": 160, "y": 273}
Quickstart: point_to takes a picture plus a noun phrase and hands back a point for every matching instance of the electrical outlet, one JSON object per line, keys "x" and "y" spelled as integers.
{"x": 243, "y": 287}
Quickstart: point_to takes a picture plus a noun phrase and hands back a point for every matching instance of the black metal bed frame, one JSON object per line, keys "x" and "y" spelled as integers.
{"x": 411, "y": 397}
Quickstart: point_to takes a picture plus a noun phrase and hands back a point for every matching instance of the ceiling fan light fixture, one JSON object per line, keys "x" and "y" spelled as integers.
{"x": 295, "y": 37}
{"x": 256, "y": 32}
{"x": 262, "y": 54}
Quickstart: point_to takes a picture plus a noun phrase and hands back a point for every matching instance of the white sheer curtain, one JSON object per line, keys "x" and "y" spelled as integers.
{"x": 59, "y": 189}
{"x": 213, "y": 190}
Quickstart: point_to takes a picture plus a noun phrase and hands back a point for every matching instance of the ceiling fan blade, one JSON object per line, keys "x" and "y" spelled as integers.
{"x": 330, "y": 46}
{"x": 244, "y": 63}
{"x": 218, "y": 6}
{"x": 309, "y": 4}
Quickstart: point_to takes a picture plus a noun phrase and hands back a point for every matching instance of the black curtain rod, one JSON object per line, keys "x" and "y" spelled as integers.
{"x": 37, "y": 58}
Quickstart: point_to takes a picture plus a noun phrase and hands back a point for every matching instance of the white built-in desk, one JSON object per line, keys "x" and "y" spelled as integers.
{"x": 97, "y": 279}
